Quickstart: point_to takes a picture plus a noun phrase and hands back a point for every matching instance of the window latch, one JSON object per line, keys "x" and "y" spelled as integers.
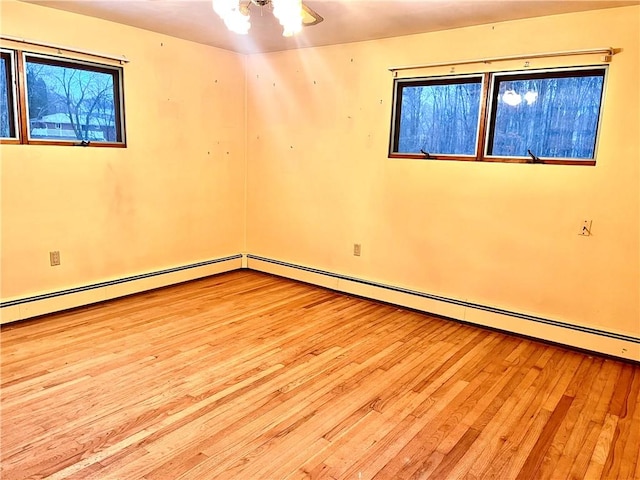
{"x": 534, "y": 158}
{"x": 426, "y": 154}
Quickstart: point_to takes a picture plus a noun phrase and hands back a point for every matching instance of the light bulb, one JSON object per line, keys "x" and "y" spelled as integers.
{"x": 234, "y": 16}
{"x": 289, "y": 14}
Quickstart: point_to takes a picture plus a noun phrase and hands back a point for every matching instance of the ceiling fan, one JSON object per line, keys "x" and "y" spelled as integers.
{"x": 292, "y": 14}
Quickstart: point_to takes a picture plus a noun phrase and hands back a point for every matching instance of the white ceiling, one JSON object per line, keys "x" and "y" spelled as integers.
{"x": 344, "y": 20}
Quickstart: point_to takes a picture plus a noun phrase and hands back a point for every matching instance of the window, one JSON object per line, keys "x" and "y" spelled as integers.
{"x": 64, "y": 102}
{"x": 8, "y": 110}
{"x": 79, "y": 101}
{"x": 438, "y": 116}
{"x": 549, "y": 116}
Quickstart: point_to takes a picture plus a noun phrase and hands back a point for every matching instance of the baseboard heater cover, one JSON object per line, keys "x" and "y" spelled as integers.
{"x": 15, "y": 309}
{"x": 620, "y": 345}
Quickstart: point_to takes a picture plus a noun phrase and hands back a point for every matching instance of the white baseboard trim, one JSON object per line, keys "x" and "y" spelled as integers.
{"x": 35, "y": 305}
{"x": 615, "y": 344}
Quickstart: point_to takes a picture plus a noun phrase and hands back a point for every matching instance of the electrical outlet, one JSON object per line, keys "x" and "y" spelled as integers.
{"x": 357, "y": 249}
{"x": 585, "y": 228}
{"x": 54, "y": 257}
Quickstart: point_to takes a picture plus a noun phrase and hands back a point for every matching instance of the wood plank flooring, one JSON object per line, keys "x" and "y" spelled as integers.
{"x": 250, "y": 376}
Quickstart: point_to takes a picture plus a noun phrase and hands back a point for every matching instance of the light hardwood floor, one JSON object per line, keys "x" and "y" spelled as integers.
{"x": 250, "y": 376}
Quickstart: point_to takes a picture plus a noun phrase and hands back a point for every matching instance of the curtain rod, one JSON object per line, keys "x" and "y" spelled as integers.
{"x": 608, "y": 51}
{"x": 121, "y": 59}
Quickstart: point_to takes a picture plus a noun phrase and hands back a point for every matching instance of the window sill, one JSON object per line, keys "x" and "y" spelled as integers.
{"x": 487, "y": 159}
{"x": 75, "y": 143}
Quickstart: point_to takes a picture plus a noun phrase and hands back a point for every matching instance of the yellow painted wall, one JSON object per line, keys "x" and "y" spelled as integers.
{"x": 174, "y": 196}
{"x": 502, "y": 235}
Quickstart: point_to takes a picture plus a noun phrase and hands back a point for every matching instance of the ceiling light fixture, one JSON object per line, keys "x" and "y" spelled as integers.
{"x": 291, "y": 14}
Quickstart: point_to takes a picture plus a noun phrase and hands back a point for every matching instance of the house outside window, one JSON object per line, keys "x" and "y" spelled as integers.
{"x": 64, "y": 101}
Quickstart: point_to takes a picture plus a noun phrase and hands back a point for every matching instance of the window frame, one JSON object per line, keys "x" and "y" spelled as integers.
{"x": 12, "y": 92}
{"x": 21, "y": 99}
{"x": 564, "y": 72}
{"x": 488, "y": 115}
{"x": 396, "y": 116}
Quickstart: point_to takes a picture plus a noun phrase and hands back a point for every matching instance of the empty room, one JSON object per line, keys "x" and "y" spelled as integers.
{"x": 274, "y": 239}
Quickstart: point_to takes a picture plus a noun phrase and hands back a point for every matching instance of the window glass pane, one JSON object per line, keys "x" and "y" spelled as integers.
{"x": 7, "y": 105}
{"x": 439, "y": 117}
{"x": 68, "y": 102}
{"x": 553, "y": 117}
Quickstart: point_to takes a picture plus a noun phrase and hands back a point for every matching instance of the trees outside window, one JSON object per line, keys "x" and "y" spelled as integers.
{"x": 440, "y": 116}
{"x": 65, "y": 102}
{"x": 549, "y": 116}
{"x": 8, "y": 128}
{"x": 77, "y": 100}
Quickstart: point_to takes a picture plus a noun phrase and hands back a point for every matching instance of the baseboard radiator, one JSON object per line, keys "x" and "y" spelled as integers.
{"x": 597, "y": 340}
{"x": 616, "y": 344}
{"x": 49, "y": 302}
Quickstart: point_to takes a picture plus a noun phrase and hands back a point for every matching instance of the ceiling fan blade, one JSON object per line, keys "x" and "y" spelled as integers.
{"x": 310, "y": 16}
